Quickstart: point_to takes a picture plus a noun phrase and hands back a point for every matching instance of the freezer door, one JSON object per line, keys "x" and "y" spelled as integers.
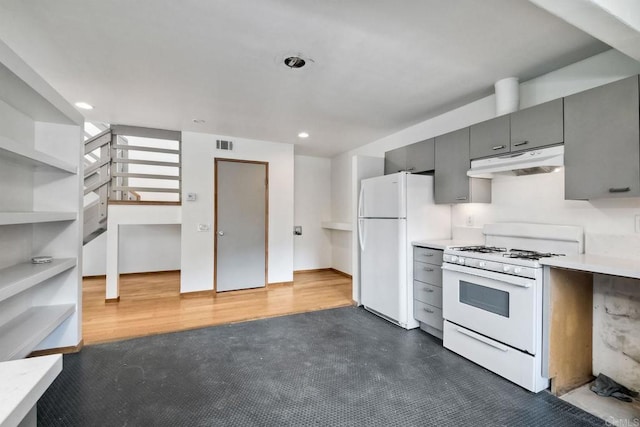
{"x": 382, "y": 271}
{"x": 383, "y": 197}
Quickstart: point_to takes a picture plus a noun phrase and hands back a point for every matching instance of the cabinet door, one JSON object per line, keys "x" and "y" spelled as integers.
{"x": 602, "y": 142}
{"x": 537, "y": 126}
{"x": 452, "y": 164}
{"x": 395, "y": 160}
{"x": 490, "y": 138}
{"x": 420, "y": 156}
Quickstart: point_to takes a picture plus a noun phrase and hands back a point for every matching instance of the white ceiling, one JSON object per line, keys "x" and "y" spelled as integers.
{"x": 378, "y": 65}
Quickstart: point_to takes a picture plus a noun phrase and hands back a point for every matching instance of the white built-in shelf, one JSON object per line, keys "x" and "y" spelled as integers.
{"x": 12, "y": 218}
{"x": 22, "y": 383}
{"x": 332, "y": 225}
{"x": 20, "y": 277}
{"x": 23, "y": 333}
{"x": 27, "y": 156}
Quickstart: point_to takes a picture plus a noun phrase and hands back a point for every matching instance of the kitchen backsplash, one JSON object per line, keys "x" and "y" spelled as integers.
{"x": 609, "y": 224}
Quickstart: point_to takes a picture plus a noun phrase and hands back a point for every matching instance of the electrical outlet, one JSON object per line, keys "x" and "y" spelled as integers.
{"x": 470, "y": 221}
{"x": 191, "y": 197}
{"x": 637, "y": 223}
{"x": 297, "y": 230}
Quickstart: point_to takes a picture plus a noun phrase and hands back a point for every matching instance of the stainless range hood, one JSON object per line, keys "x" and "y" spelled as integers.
{"x": 542, "y": 160}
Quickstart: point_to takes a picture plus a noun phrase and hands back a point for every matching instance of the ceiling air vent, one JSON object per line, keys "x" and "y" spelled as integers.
{"x": 224, "y": 145}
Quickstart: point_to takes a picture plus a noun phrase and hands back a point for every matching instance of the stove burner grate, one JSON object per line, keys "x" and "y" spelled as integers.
{"x": 530, "y": 255}
{"x": 480, "y": 249}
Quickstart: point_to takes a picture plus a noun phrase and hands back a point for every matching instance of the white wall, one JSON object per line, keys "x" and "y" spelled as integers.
{"x": 198, "y": 154}
{"x": 312, "y": 205}
{"x": 341, "y": 212}
{"x": 143, "y": 248}
{"x": 535, "y": 198}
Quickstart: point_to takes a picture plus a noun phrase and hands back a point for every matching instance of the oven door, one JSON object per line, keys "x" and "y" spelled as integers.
{"x": 499, "y": 306}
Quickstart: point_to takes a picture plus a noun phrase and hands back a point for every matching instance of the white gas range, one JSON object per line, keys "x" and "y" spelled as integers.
{"x": 492, "y": 297}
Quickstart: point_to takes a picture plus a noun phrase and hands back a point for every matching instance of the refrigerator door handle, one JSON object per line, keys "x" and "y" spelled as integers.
{"x": 361, "y": 201}
{"x": 361, "y": 234}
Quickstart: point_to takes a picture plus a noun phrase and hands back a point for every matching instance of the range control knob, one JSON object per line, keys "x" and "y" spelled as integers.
{"x": 482, "y": 264}
{"x": 461, "y": 261}
{"x": 454, "y": 258}
{"x": 506, "y": 268}
{"x": 517, "y": 270}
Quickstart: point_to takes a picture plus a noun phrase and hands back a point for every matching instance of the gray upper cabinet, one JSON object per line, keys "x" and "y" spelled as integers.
{"x": 395, "y": 160}
{"x": 452, "y": 185}
{"x": 490, "y": 138}
{"x": 602, "y": 142}
{"x": 414, "y": 158}
{"x": 421, "y": 156}
{"x": 537, "y": 126}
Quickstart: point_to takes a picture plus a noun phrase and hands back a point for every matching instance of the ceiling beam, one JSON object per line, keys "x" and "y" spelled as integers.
{"x": 615, "y": 22}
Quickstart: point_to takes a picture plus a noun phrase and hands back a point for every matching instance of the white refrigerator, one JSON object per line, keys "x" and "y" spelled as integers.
{"x": 393, "y": 211}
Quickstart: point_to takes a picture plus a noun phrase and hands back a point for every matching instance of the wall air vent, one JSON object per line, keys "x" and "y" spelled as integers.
{"x": 224, "y": 145}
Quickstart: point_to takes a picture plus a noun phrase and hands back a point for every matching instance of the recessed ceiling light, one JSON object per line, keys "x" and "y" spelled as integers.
{"x": 294, "y": 62}
{"x": 198, "y": 121}
{"x": 303, "y": 135}
{"x": 84, "y": 106}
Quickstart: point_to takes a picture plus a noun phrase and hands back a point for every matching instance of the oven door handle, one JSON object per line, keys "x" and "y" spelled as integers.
{"x": 507, "y": 279}
{"x": 482, "y": 339}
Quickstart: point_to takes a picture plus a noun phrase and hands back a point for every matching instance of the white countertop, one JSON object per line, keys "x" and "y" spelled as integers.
{"x": 597, "y": 264}
{"x": 22, "y": 382}
{"x": 444, "y": 244}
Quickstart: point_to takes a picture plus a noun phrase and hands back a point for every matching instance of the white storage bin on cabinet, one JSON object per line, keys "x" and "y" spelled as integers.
{"x": 40, "y": 213}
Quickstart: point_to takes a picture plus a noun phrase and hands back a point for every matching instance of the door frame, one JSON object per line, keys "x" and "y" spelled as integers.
{"x": 215, "y": 217}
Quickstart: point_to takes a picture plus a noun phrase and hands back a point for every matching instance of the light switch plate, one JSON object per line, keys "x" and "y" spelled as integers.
{"x": 204, "y": 227}
{"x": 191, "y": 197}
{"x": 297, "y": 230}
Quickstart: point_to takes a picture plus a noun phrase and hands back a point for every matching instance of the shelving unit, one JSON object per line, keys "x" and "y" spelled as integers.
{"x": 12, "y": 150}
{"x": 333, "y": 225}
{"x": 20, "y": 335}
{"x": 14, "y": 218}
{"x": 40, "y": 213}
{"x": 20, "y": 277}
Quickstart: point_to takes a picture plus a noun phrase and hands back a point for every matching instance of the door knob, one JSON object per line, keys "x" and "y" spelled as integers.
{"x": 220, "y": 233}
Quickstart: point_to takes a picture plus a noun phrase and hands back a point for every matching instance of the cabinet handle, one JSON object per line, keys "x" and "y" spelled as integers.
{"x": 427, "y": 310}
{"x": 428, "y": 290}
{"x": 498, "y": 147}
{"x": 427, "y": 269}
{"x": 619, "y": 190}
{"x": 429, "y": 254}
{"x": 461, "y": 198}
{"x": 518, "y": 144}
{"x": 410, "y": 169}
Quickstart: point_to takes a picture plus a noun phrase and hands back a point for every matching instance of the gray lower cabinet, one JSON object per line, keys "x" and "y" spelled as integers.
{"x": 537, "y": 126}
{"x": 489, "y": 138}
{"x": 602, "y": 142}
{"x": 427, "y": 289}
{"x": 452, "y": 185}
{"x": 414, "y": 158}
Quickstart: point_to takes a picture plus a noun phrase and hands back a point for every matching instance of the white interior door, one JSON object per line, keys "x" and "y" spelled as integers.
{"x": 241, "y": 224}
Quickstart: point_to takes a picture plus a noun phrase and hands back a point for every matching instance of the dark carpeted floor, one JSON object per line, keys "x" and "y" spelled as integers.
{"x": 340, "y": 367}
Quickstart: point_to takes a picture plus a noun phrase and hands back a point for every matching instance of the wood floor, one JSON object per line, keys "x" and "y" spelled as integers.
{"x": 150, "y": 303}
